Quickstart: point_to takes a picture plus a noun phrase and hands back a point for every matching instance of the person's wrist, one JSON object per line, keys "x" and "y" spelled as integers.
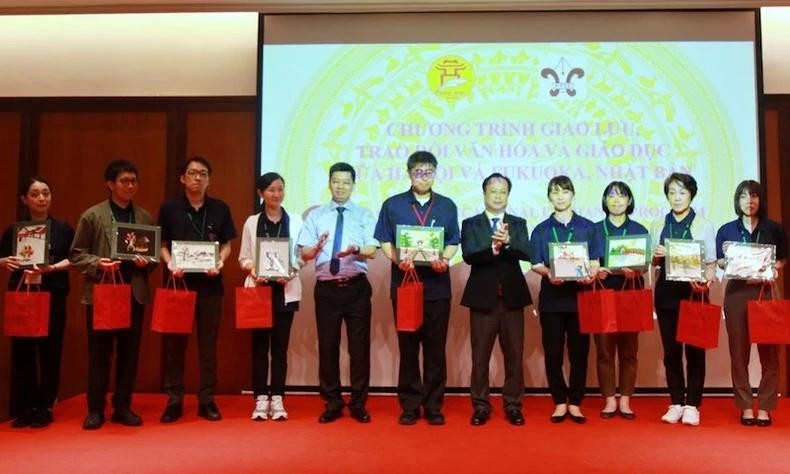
{"x": 356, "y": 249}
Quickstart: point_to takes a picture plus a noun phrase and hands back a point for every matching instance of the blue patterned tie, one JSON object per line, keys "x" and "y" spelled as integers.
{"x": 334, "y": 264}
{"x": 494, "y": 222}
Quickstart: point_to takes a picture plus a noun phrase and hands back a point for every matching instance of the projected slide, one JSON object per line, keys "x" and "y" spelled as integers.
{"x": 630, "y": 111}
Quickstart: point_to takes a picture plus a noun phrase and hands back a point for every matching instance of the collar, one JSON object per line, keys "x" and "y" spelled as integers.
{"x": 685, "y": 222}
{"x": 116, "y": 208}
{"x": 413, "y": 200}
{"x": 555, "y": 223}
{"x": 188, "y": 205}
{"x": 500, "y": 216}
{"x": 333, "y": 205}
{"x": 742, "y": 228}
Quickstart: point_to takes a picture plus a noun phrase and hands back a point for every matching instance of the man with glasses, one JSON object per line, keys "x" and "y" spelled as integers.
{"x": 195, "y": 216}
{"x": 421, "y": 206}
{"x": 90, "y": 255}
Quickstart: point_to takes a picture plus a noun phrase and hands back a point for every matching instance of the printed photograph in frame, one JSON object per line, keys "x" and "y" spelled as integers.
{"x": 626, "y": 251}
{"x": 568, "y": 260}
{"x": 684, "y": 259}
{"x": 273, "y": 257}
{"x": 131, "y": 240}
{"x": 31, "y": 243}
{"x": 194, "y": 256}
{"x": 421, "y": 244}
{"x": 749, "y": 261}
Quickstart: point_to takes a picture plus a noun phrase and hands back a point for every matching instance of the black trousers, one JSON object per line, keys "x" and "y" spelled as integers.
{"x": 559, "y": 329}
{"x": 333, "y": 305}
{"x": 426, "y": 390}
{"x": 35, "y": 361}
{"x": 208, "y": 311}
{"x": 125, "y": 343}
{"x": 484, "y": 327}
{"x": 277, "y": 338}
{"x": 682, "y": 390}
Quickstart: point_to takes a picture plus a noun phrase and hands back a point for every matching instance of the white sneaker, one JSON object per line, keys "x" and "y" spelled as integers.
{"x": 690, "y": 415}
{"x": 673, "y": 415}
{"x": 277, "y": 409}
{"x": 261, "y": 412}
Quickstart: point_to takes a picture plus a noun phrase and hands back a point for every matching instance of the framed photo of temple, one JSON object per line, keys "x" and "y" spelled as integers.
{"x": 749, "y": 261}
{"x": 273, "y": 257}
{"x": 626, "y": 251}
{"x": 131, "y": 240}
{"x": 684, "y": 259}
{"x": 31, "y": 243}
{"x": 421, "y": 244}
{"x": 568, "y": 260}
{"x": 193, "y": 256}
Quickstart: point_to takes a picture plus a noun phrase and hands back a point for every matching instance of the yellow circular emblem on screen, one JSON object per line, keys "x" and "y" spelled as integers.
{"x": 451, "y": 77}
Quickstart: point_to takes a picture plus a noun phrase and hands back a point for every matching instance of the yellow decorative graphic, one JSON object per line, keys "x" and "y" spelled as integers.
{"x": 451, "y": 77}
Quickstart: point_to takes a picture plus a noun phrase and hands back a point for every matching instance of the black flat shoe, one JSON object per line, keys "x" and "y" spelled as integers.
{"x": 479, "y": 418}
{"x": 209, "y": 411}
{"x": 559, "y": 418}
{"x": 763, "y": 423}
{"x": 42, "y": 418}
{"x": 172, "y": 413}
{"x": 579, "y": 419}
{"x": 628, "y": 415}
{"x": 330, "y": 415}
{"x": 435, "y": 418}
{"x": 608, "y": 414}
{"x": 515, "y": 417}
{"x": 126, "y": 417}
{"x": 360, "y": 414}
{"x": 409, "y": 417}
{"x": 747, "y": 421}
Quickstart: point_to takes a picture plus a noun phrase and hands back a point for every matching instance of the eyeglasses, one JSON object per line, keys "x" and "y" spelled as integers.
{"x": 423, "y": 174}
{"x": 128, "y": 181}
{"x": 196, "y": 173}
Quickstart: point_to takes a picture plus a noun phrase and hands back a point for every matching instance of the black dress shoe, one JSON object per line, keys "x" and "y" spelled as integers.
{"x": 409, "y": 417}
{"x": 209, "y": 411}
{"x": 763, "y": 423}
{"x": 330, "y": 414}
{"x": 628, "y": 415}
{"x": 514, "y": 417}
{"x": 360, "y": 414}
{"x": 435, "y": 418}
{"x": 172, "y": 413}
{"x": 608, "y": 414}
{"x": 126, "y": 417}
{"x": 559, "y": 418}
{"x": 747, "y": 421}
{"x": 42, "y": 418}
{"x": 580, "y": 419}
{"x": 24, "y": 419}
{"x": 480, "y": 417}
{"x": 93, "y": 421}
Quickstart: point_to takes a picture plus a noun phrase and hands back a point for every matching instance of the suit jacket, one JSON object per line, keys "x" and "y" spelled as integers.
{"x": 93, "y": 240}
{"x": 491, "y": 272}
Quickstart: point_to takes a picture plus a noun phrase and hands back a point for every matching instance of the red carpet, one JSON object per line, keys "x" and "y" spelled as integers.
{"x": 236, "y": 444}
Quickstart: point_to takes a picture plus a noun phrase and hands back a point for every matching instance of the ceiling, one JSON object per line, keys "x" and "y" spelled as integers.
{"x": 305, "y": 6}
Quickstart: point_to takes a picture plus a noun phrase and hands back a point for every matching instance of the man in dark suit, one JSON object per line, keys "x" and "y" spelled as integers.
{"x": 496, "y": 293}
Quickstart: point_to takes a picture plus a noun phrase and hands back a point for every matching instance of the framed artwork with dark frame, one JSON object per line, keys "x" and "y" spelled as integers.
{"x": 131, "y": 240}
{"x": 421, "y": 244}
{"x": 569, "y": 260}
{"x": 749, "y": 261}
{"x": 627, "y": 251}
{"x": 684, "y": 259}
{"x": 31, "y": 243}
{"x": 194, "y": 256}
{"x": 273, "y": 257}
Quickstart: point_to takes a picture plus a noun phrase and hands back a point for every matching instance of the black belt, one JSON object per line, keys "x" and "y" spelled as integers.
{"x": 343, "y": 282}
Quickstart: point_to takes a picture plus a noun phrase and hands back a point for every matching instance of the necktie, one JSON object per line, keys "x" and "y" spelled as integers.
{"x": 494, "y": 222}
{"x": 334, "y": 264}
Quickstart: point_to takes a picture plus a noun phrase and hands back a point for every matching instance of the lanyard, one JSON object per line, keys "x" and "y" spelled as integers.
{"x": 422, "y": 219}
{"x": 556, "y": 237}
{"x": 683, "y": 236}
{"x": 202, "y": 231}
{"x": 606, "y": 228}
{"x": 745, "y": 237}
{"x": 279, "y": 228}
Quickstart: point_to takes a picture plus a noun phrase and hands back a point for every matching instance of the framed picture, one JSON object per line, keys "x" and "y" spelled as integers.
{"x": 684, "y": 259}
{"x": 421, "y": 244}
{"x": 131, "y": 240}
{"x": 626, "y": 251}
{"x": 569, "y": 260}
{"x": 273, "y": 257}
{"x": 748, "y": 261}
{"x": 31, "y": 243}
{"x": 194, "y": 256}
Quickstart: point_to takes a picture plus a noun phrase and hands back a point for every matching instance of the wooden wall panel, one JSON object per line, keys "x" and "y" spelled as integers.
{"x": 9, "y": 160}
{"x": 74, "y": 148}
{"x": 227, "y": 140}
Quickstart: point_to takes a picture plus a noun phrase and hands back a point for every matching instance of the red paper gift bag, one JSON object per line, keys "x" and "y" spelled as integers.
{"x": 26, "y": 313}
{"x": 254, "y": 307}
{"x": 174, "y": 308}
{"x": 112, "y": 302}
{"x": 409, "y": 301}
{"x": 634, "y": 307}
{"x": 698, "y": 323}
{"x": 596, "y": 307}
{"x": 768, "y": 319}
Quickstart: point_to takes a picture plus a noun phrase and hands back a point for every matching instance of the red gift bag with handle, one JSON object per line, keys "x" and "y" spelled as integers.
{"x": 698, "y": 323}
{"x": 174, "y": 308}
{"x": 26, "y": 312}
{"x": 112, "y": 302}
{"x": 768, "y": 319}
{"x": 254, "y": 308}
{"x": 409, "y": 301}
{"x": 596, "y": 308}
{"x": 634, "y": 307}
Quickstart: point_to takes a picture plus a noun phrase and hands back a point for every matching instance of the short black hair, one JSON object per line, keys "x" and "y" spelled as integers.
{"x": 341, "y": 167}
{"x": 497, "y": 176}
{"x": 752, "y": 187}
{"x": 195, "y": 159}
{"x": 562, "y": 182}
{"x": 686, "y": 180}
{"x": 29, "y": 182}
{"x": 266, "y": 179}
{"x": 623, "y": 190}
{"x": 116, "y": 167}
{"x": 421, "y": 157}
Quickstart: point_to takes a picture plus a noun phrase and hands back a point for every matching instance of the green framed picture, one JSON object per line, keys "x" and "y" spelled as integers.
{"x": 421, "y": 244}
{"x": 627, "y": 251}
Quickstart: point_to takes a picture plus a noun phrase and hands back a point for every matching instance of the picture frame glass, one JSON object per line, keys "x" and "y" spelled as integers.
{"x": 421, "y": 244}
{"x": 749, "y": 261}
{"x": 131, "y": 240}
{"x": 684, "y": 259}
{"x": 31, "y": 243}
{"x": 627, "y": 251}
{"x": 569, "y": 260}
{"x": 273, "y": 257}
{"x": 194, "y": 256}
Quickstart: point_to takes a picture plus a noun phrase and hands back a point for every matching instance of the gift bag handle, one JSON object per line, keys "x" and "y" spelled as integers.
{"x": 37, "y": 286}
{"x": 762, "y": 289}
{"x": 113, "y": 271}
{"x": 172, "y": 283}
{"x": 633, "y": 283}
{"x": 410, "y": 276}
